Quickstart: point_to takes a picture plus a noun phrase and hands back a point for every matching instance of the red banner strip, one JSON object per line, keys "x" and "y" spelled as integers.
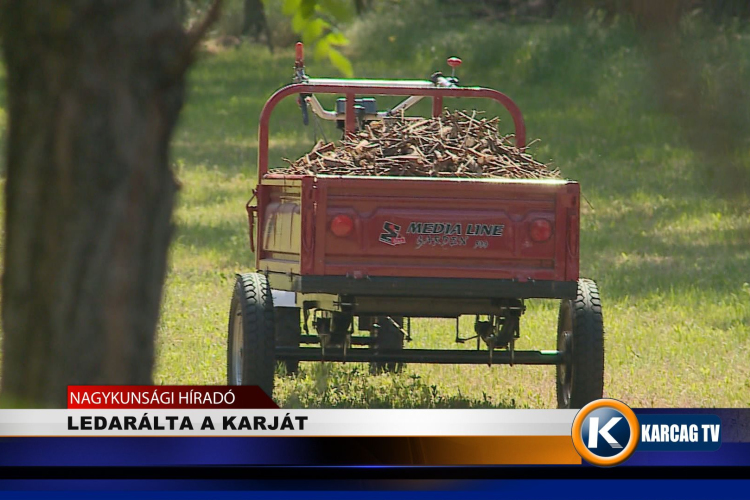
{"x": 167, "y": 396}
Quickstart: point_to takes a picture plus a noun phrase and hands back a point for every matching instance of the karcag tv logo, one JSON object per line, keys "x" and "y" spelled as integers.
{"x": 605, "y": 432}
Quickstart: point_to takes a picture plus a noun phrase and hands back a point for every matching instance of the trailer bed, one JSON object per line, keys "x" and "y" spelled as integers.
{"x": 441, "y": 229}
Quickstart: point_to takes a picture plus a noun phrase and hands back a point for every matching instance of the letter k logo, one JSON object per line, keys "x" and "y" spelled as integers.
{"x": 594, "y": 432}
{"x": 615, "y": 423}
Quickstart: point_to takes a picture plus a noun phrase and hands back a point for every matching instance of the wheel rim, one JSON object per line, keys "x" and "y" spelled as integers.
{"x": 565, "y": 369}
{"x": 238, "y": 341}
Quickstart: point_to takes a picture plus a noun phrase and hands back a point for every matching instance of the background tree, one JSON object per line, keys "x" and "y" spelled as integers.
{"x": 254, "y": 22}
{"x": 362, "y": 6}
{"x": 702, "y": 90}
{"x": 94, "y": 91}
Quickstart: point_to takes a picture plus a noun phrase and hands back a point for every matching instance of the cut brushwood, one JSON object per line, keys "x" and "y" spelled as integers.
{"x": 456, "y": 144}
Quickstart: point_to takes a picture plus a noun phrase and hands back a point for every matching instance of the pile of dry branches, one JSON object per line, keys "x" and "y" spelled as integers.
{"x": 453, "y": 145}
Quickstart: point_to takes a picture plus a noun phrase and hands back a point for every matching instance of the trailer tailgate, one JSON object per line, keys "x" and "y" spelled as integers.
{"x": 421, "y": 227}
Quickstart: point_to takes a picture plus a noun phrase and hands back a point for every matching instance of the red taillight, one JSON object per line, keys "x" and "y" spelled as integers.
{"x": 342, "y": 225}
{"x": 540, "y": 230}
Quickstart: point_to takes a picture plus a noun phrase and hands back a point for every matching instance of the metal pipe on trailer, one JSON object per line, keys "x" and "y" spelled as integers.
{"x": 352, "y": 88}
{"x": 426, "y": 356}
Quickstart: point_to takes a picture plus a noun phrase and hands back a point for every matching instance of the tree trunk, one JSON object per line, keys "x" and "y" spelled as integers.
{"x": 94, "y": 91}
{"x": 360, "y": 6}
{"x": 182, "y": 10}
{"x": 254, "y": 22}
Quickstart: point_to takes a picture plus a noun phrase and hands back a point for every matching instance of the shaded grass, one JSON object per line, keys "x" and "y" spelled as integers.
{"x": 672, "y": 259}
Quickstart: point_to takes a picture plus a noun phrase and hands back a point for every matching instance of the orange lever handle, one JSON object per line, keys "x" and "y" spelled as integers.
{"x": 299, "y": 55}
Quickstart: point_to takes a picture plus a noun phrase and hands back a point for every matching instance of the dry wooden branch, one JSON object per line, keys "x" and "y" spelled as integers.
{"x": 453, "y": 145}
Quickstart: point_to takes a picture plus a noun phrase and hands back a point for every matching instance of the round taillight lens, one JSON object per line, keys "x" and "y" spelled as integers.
{"x": 540, "y": 230}
{"x": 342, "y": 225}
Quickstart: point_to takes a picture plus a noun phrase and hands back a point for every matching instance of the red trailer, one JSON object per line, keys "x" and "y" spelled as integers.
{"x": 356, "y": 253}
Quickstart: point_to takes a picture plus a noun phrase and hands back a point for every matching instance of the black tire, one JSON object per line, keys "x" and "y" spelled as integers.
{"x": 580, "y": 336}
{"x": 288, "y": 333}
{"x": 250, "y": 343}
{"x": 387, "y": 338}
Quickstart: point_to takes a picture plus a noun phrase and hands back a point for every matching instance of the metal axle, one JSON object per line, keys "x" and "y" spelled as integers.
{"x": 314, "y": 339}
{"x": 431, "y": 356}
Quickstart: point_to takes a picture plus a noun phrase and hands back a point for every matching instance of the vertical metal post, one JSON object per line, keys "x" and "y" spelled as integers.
{"x": 350, "y": 120}
{"x": 437, "y": 106}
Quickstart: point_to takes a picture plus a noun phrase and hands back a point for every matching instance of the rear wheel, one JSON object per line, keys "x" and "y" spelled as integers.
{"x": 580, "y": 337}
{"x": 387, "y": 337}
{"x": 288, "y": 333}
{"x": 250, "y": 342}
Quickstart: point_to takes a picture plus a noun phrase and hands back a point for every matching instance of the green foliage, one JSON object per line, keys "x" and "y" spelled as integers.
{"x": 316, "y": 22}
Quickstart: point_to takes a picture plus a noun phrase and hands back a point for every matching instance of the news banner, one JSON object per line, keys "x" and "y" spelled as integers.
{"x": 605, "y": 433}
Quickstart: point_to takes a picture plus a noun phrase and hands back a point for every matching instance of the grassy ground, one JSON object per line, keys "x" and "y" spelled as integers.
{"x": 672, "y": 259}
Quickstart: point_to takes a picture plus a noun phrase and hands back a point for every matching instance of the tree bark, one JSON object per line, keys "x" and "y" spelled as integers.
{"x": 361, "y": 6}
{"x": 94, "y": 91}
{"x": 255, "y": 23}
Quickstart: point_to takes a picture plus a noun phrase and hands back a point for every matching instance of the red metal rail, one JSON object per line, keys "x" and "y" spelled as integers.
{"x": 350, "y": 91}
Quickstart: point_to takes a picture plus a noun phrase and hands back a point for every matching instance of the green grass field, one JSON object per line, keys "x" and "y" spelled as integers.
{"x": 671, "y": 257}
